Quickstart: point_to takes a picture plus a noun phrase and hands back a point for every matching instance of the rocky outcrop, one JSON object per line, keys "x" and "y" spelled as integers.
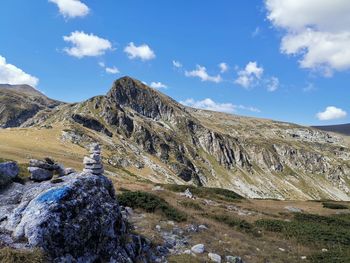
{"x": 91, "y": 123}
{"x": 75, "y": 220}
{"x": 8, "y": 172}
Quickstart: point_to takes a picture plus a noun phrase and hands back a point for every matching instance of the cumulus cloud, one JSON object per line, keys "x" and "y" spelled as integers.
{"x": 158, "y": 85}
{"x": 201, "y": 72}
{"x": 331, "y": 113}
{"x": 320, "y": 35}
{"x": 143, "y": 52}
{"x": 209, "y": 104}
{"x": 223, "y": 67}
{"x": 86, "y": 45}
{"x": 249, "y": 76}
{"x": 272, "y": 84}
{"x": 71, "y": 8}
{"x": 10, "y": 74}
{"x": 177, "y": 64}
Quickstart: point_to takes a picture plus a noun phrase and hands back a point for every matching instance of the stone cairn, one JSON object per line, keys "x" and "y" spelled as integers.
{"x": 93, "y": 163}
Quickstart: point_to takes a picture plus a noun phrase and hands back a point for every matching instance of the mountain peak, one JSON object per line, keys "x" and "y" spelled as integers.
{"x": 132, "y": 93}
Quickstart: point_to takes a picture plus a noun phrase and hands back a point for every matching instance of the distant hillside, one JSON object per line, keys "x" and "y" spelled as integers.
{"x": 341, "y": 128}
{"x": 151, "y": 136}
{"x": 18, "y": 103}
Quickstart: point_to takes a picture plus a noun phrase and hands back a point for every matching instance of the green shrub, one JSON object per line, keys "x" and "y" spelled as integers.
{"x": 151, "y": 203}
{"x": 334, "y": 205}
{"x": 191, "y": 205}
{"x": 309, "y": 229}
{"x": 206, "y": 192}
{"x": 338, "y": 256}
{"x": 233, "y": 222}
{"x": 9, "y": 255}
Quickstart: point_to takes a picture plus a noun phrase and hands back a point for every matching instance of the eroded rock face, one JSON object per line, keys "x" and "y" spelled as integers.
{"x": 77, "y": 219}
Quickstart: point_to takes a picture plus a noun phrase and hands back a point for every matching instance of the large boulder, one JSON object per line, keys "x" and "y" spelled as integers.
{"x": 40, "y": 174}
{"x": 8, "y": 172}
{"x": 76, "y": 220}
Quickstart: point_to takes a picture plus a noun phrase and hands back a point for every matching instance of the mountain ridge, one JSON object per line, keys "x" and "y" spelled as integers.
{"x": 152, "y": 136}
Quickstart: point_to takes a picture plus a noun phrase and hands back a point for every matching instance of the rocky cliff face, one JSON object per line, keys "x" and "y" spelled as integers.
{"x": 155, "y": 137}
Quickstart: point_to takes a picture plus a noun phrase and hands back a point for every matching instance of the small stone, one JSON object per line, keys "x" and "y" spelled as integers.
{"x": 202, "y": 227}
{"x": 39, "y": 174}
{"x": 158, "y": 228}
{"x": 187, "y": 252}
{"x": 68, "y": 171}
{"x": 157, "y": 188}
{"x": 88, "y": 160}
{"x": 188, "y": 193}
{"x": 303, "y": 257}
{"x": 324, "y": 250}
{"x": 214, "y": 257}
{"x": 233, "y": 259}
{"x": 198, "y": 249}
{"x": 93, "y": 166}
{"x": 293, "y": 209}
{"x": 281, "y": 249}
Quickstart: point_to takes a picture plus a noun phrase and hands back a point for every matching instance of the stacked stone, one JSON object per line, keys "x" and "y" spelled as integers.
{"x": 93, "y": 163}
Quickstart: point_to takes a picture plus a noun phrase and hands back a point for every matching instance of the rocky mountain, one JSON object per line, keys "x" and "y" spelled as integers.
{"x": 18, "y": 103}
{"x": 151, "y": 136}
{"x": 341, "y": 128}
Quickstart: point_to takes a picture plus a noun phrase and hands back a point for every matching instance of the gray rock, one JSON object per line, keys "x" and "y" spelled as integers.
{"x": 93, "y": 166}
{"x": 214, "y": 257}
{"x": 94, "y": 171}
{"x": 8, "y": 172}
{"x": 42, "y": 165}
{"x": 88, "y": 160}
{"x": 68, "y": 171}
{"x": 233, "y": 259}
{"x": 77, "y": 220}
{"x": 198, "y": 249}
{"x": 40, "y": 174}
{"x": 293, "y": 209}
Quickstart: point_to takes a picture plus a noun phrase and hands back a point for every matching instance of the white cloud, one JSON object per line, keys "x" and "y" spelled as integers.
{"x": 86, "y": 45}
{"x": 109, "y": 70}
{"x": 112, "y": 70}
{"x": 143, "y": 52}
{"x": 331, "y": 113}
{"x": 309, "y": 87}
{"x": 223, "y": 67}
{"x": 71, "y": 8}
{"x": 272, "y": 84}
{"x": 201, "y": 72}
{"x": 250, "y": 75}
{"x": 209, "y": 104}
{"x": 10, "y": 74}
{"x": 317, "y": 31}
{"x": 256, "y": 32}
{"x": 158, "y": 85}
{"x": 177, "y": 64}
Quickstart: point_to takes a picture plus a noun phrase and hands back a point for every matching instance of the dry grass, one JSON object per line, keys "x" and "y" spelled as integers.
{"x": 9, "y": 255}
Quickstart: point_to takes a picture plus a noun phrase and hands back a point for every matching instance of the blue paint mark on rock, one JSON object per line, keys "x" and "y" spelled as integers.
{"x": 53, "y": 195}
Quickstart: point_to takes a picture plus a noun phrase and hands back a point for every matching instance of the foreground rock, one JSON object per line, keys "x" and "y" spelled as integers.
{"x": 77, "y": 220}
{"x": 8, "y": 172}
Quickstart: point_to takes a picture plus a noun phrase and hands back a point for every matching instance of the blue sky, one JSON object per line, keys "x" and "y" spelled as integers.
{"x": 280, "y": 61}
